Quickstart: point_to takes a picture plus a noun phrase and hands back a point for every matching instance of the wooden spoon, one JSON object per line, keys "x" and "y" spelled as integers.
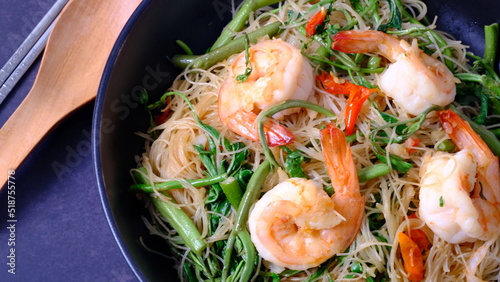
{"x": 69, "y": 74}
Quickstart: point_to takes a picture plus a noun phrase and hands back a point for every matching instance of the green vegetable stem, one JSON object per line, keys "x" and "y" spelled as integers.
{"x": 232, "y": 190}
{"x": 240, "y": 19}
{"x": 404, "y": 130}
{"x": 175, "y": 216}
{"x": 373, "y": 171}
{"x": 280, "y": 107}
{"x": 239, "y": 231}
{"x": 175, "y": 184}
{"x": 490, "y": 44}
{"x": 223, "y": 52}
{"x": 182, "y": 223}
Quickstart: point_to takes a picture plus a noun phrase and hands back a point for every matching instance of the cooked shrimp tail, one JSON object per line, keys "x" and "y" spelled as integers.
{"x": 462, "y": 134}
{"x": 460, "y": 192}
{"x": 244, "y": 124}
{"x": 352, "y": 41}
{"x": 347, "y": 198}
{"x": 414, "y": 80}
{"x": 339, "y": 161}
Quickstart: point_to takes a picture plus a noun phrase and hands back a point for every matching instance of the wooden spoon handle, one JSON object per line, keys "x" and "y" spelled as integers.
{"x": 68, "y": 77}
{"x": 24, "y": 130}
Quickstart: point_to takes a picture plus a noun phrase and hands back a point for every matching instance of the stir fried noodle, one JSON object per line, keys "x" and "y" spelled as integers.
{"x": 348, "y": 84}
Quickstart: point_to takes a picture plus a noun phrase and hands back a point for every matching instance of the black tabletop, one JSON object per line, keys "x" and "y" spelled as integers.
{"x": 59, "y": 232}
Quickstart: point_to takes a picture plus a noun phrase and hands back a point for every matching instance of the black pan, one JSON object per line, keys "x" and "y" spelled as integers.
{"x": 141, "y": 59}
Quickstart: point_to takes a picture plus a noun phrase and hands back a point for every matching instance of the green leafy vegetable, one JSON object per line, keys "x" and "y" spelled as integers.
{"x": 293, "y": 163}
{"x": 395, "y": 21}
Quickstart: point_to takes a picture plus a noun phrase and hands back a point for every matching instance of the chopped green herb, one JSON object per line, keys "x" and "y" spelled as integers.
{"x": 243, "y": 77}
{"x": 410, "y": 126}
{"x": 357, "y": 267}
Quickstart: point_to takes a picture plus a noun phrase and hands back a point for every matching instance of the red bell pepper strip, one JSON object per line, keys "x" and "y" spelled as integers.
{"x": 161, "y": 118}
{"x": 357, "y": 96}
{"x": 315, "y": 21}
{"x": 418, "y": 235}
{"x": 411, "y": 143}
{"x": 412, "y": 258}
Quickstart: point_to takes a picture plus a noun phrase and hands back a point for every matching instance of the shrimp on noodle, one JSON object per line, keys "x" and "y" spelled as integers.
{"x": 296, "y": 224}
{"x": 414, "y": 80}
{"x": 460, "y": 193}
{"x": 279, "y": 72}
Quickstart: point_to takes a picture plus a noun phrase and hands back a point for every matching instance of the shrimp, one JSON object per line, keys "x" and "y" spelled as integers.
{"x": 296, "y": 225}
{"x": 460, "y": 192}
{"x": 414, "y": 80}
{"x": 279, "y": 72}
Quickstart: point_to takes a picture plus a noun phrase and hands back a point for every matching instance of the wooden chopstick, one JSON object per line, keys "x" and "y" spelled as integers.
{"x": 28, "y": 51}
